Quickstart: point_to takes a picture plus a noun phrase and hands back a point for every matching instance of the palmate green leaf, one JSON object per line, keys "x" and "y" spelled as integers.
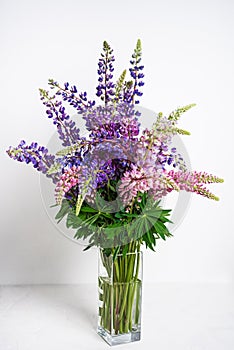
{"x": 149, "y": 235}
{"x": 91, "y": 220}
{"x": 64, "y": 210}
{"x": 83, "y": 232}
{"x": 164, "y": 219}
{"x": 121, "y": 215}
{"x": 87, "y": 209}
{"x": 113, "y": 230}
{"x": 150, "y": 240}
{"x": 140, "y": 227}
{"x": 73, "y": 220}
{"x": 150, "y": 225}
{"x": 162, "y": 230}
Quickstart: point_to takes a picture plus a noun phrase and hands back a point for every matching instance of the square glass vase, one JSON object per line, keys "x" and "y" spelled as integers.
{"x": 120, "y": 297}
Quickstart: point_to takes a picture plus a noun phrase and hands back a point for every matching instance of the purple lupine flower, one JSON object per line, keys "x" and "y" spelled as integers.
{"x": 69, "y": 134}
{"x": 136, "y": 74}
{"x": 37, "y": 155}
{"x": 55, "y": 110}
{"x": 110, "y": 121}
{"x": 67, "y": 130}
{"x": 127, "y": 91}
{"x": 79, "y": 101}
{"x": 105, "y": 88}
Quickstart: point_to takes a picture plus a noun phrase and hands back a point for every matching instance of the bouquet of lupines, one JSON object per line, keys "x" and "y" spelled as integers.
{"x": 109, "y": 183}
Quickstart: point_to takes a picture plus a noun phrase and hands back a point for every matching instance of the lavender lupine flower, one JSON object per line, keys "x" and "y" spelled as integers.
{"x": 112, "y": 121}
{"x": 108, "y": 161}
{"x": 105, "y": 88}
{"x": 37, "y": 155}
{"x": 69, "y": 134}
{"x": 176, "y": 160}
{"x": 160, "y": 136}
{"x": 70, "y": 95}
{"x": 153, "y": 151}
{"x": 88, "y": 183}
{"x": 163, "y": 129}
{"x": 101, "y": 161}
{"x": 113, "y": 169}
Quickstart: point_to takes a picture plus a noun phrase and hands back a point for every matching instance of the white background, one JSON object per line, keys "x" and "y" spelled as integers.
{"x": 188, "y": 56}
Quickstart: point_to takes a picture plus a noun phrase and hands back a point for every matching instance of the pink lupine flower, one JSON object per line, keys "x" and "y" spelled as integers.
{"x": 193, "y": 182}
{"x": 68, "y": 180}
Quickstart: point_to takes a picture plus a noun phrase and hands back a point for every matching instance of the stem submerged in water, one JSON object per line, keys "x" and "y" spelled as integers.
{"x": 120, "y": 294}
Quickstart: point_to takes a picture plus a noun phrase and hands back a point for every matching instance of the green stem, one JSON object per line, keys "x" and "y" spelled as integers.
{"x": 130, "y": 272}
{"x": 120, "y": 294}
{"x": 137, "y": 312}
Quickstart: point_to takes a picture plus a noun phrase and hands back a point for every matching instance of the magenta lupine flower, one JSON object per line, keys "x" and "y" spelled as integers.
{"x": 69, "y": 179}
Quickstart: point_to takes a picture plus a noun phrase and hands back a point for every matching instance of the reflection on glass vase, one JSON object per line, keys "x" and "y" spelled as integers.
{"x": 120, "y": 294}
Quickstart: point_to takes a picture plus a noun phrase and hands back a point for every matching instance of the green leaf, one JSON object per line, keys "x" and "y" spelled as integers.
{"x": 159, "y": 230}
{"x": 91, "y": 220}
{"x": 118, "y": 215}
{"x": 73, "y": 220}
{"x": 111, "y": 187}
{"x": 64, "y": 210}
{"x": 88, "y": 209}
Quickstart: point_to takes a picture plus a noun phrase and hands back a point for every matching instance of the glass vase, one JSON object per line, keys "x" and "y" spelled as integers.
{"x": 120, "y": 295}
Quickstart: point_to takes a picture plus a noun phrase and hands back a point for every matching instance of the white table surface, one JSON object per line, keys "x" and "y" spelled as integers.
{"x": 176, "y": 316}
